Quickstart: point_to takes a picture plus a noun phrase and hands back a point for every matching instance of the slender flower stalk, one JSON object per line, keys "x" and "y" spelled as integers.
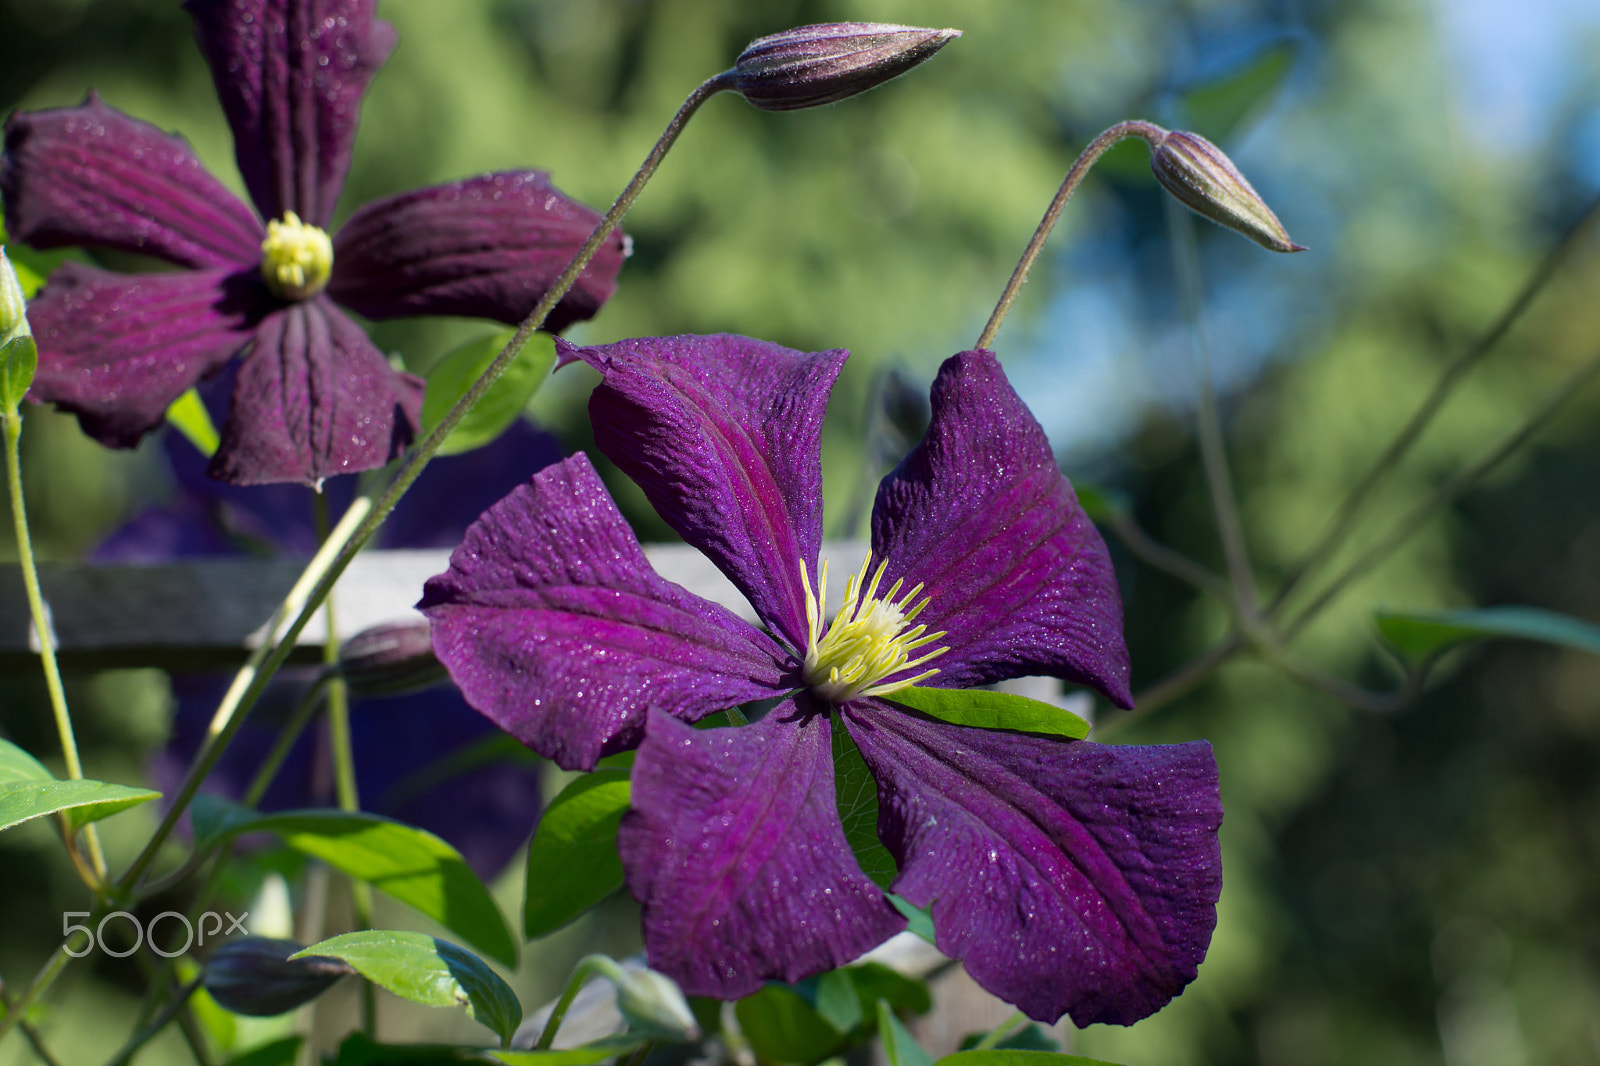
{"x": 1149, "y": 132}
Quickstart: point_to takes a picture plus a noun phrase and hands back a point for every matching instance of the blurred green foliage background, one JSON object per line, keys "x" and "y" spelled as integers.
{"x": 1414, "y": 888}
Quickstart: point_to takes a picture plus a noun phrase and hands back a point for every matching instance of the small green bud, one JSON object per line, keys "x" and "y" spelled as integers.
{"x": 254, "y": 975}
{"x": 391, "y": 660}
{"x": 813, "y": 65}
{"x": 650, "y": 1002}
{"x": 1205, "y": 180}
{"x": 13, "y": 305}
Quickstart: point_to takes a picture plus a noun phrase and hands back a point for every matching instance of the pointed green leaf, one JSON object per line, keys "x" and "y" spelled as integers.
{"x": 874, "y": 981}
{"x": 27, "y": 790}
{"x": 899, "y": 1046}
{"x": 857, "y": 796}
{"x": 1423, "y": 634}
{"x": 359, "y": 1049}
{"x": 188, "y": 415}
{"x": 1217, "y": 108}
{"x": 410, "y": 864}
{"x": 284, "y": 1052}
{"x": 458, "y": 369}
{"x": 982, "y": 709}
{"x": 918, "y": 919}
{"x": 1013, "y": 1057}
{"x": 19, "y": 358}
{"x": 782, "y": 1027}
{"x": 427, "y": 970}
{"x": 572, "y": 860}
{"x": 1030, "y": 1037}
{"x": 836, "y": 1002}
{"x": 611, "y": 1047}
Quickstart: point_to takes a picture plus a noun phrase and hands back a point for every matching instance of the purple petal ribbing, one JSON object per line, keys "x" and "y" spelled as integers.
{"x": 722, "y": 434}
{"x": 123, "y": 346}
{"x": 316, "y": 398}
{"x": 554, "y": 625}
{"x": 91, "y": 175}
{"x": 979, "y": 513}
{"x": 487, "y": 247}
{"x": 734, "y": 847}
{"x": 293, "y": 109}
{"x": 1069, "y": 877}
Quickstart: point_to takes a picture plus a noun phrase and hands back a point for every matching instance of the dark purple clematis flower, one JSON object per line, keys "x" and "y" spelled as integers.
{"x": 425, "y": 758}
{"x": 1068, "y": 876}
{"x": 314, "y": 396}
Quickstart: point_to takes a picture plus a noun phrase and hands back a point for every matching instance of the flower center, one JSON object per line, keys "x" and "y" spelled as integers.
{"x": 296, "y": 259}
{"x": 868, "y": 642}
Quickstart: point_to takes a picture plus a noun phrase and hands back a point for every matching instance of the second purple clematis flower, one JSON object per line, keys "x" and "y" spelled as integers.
{"x": 314, "y": 396}
{"x": 1069, "y": 877}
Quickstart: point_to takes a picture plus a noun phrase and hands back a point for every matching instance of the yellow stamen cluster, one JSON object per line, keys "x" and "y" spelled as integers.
{"x": 296, "y": 259}
{"x": 868, "y": 641}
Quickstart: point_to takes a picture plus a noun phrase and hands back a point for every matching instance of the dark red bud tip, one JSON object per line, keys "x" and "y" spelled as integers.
{"x": 255, "y": 976}
{"x": 391, "y": 660}
{"x": 1202, "y": 177}
{"x": 813, "y": 65}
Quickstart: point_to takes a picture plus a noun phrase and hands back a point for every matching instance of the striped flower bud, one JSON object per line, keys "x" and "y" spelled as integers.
{"x": 813, "y": 65}
{"x": 13, "y": 305}
{"x": 254, "y": 975}
{"x": 390, "y": 660}
{"x": 1205, "y": 180}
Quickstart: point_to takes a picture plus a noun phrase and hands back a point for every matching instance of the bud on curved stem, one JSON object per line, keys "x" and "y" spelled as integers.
{"x": 812, "y": 65}
{"x": 1202, "y": 178}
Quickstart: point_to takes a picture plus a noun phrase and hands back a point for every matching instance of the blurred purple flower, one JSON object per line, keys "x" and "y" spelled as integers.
{"x": 425, "y": 758}
{"x": 314, "y": 396}
{"x": 1068, "y": 876}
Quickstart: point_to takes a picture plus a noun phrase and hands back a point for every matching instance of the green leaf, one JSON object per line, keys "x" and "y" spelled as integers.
{"x": 411, "y": 864}
{"x": 427, "y": 970}
{"x": 572, "y": 860}
{"x": 1217, "y": 108}
{"x": 358, "y": 1049}
{"x": 857, "y": 796}
{"x": 19, "y": 358}
{"x": 836, "y": 1002}
{"x": 1013, "y": 1057}
{"x": 782, "y": 1027}
{"x": 278, "y": 1053}
{"x": 27, "y": 790}
{"x": 876, "y": 982}
{"x": 918, "y": 920}
{"x": 983, "y": 709}
{"x": 1030, "y": 1037}
{"x": 899, "y": 1046}
{"x": 609, "y": 1048}
{"x": 1099, "y": 504}
{"x": 1424, "y": 634}
{"x": 188, "y": 415}
{"x": 459, "y": 368}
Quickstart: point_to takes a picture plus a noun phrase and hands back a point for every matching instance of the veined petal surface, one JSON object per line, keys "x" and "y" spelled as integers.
{"x": 1069, "y": 877}
{"x": 734, "y": 847}
{"x": 486, "y": 247}
{"x": 980, "y": 515}
{"x": 117, "y": 349}
{"x": 91, "y": 175}
{"x": 555, "y": 626}
{"x": 291, "y": 74}
{"x": 314, "y": 398}
{"x": 722, "y": 432}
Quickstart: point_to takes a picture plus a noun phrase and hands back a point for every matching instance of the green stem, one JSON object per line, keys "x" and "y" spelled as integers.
{"x": 41, "y": 624}
{"x": 1443, "y": 495}
{"x": 1333, "y": 534}
{"x": 1149, "y": 132}
{"x": 1213, "y": 454}
{"x": 28, "y": 1031}
{"x": 1159, "y": 556}
{"x": 587, "y": 966}
{"x": 999, "y": 1032}
{"x": 43, "y": 979}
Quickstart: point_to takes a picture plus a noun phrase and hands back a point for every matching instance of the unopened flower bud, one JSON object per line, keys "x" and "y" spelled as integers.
{"x": 1204, "y": 179}
{"x": 13, "y": 305}
{"x": 813, "y": 65}
{"x": 254, "y": 975}
{"x": 390, "y": 660}
{"x": 650, "y": 1002}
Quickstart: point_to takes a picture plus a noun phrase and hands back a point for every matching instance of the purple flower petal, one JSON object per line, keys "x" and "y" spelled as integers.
{"x": 979, "y": 513}
{"x": 734, "y": 847}
{"x": 117, "y": 349}
{"x": 722, "y": 434}
{"x": 291, "y": 74}
{"x": 91, "y": 175}
{"x": 1068, "y": 876}
{"x": 314, "y": 398}
{"x": 486, "y": 247}
{"x": 554, "y": 625}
